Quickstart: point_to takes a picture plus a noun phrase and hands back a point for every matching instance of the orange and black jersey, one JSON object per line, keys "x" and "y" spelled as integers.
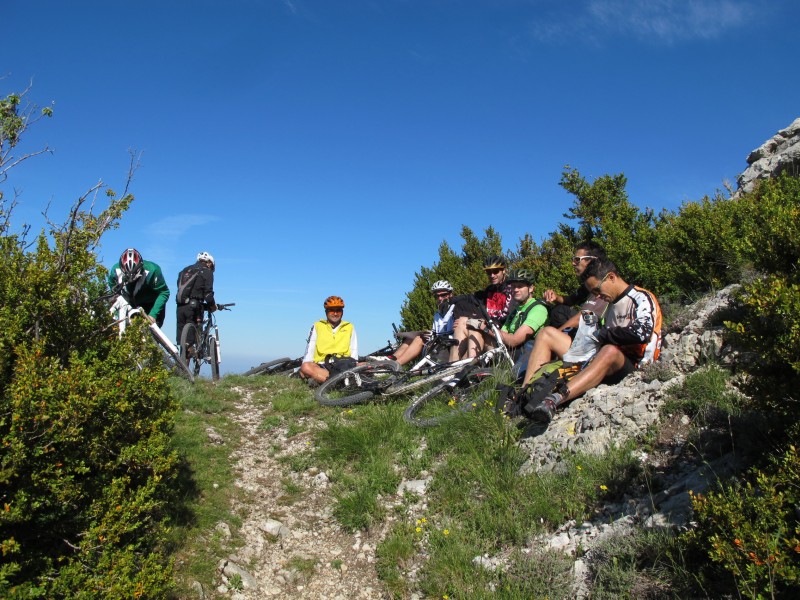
{"x": 633, "y": 322}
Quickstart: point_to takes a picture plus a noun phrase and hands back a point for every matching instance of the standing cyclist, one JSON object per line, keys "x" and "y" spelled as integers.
{"x": 195, "y": 294}
{"x": 141, "y": 283}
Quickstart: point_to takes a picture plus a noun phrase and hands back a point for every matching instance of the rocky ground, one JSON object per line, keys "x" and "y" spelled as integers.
{"x": 293, "y": 546}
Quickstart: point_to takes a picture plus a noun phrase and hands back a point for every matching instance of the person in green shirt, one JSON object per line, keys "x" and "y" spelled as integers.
{"x": 141, "y": 283}
{"x": 528, "y": 315}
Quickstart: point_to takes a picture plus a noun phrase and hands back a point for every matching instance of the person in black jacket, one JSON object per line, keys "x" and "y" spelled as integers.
{"x": 195, "y": 294}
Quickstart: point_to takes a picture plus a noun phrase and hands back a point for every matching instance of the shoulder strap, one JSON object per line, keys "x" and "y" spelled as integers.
{"x": 527, "y": 311}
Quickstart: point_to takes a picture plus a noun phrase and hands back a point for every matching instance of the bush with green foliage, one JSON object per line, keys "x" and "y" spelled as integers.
{"x": 751, "y": 528}
{"x": 85, "y": 464}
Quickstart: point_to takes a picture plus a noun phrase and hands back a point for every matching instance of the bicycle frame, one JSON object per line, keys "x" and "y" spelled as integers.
{"x": 123, "y": 312}
{"x": 210, "y": 331}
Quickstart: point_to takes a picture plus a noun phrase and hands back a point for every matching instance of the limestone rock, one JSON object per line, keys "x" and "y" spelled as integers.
{"x": 779, "y": 153}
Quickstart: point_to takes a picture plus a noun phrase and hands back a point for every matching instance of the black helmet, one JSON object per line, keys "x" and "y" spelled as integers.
{"x": 494, "y": 262}
{"x": 523, "y": 275}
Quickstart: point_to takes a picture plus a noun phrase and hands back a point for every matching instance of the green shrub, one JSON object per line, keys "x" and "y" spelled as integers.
{"x": 85, "y": 465}
{"x": 751, "y": 528}
{"x": 770, "y": 325}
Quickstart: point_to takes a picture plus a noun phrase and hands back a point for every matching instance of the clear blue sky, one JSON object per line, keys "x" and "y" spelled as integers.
{"x": 320, "y": 147}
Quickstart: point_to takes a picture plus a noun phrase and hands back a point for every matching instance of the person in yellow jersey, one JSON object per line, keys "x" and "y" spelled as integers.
{"x": 331, "y": 338}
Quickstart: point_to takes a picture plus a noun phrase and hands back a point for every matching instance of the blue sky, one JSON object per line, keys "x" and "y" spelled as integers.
{"x": 320, "y": 147}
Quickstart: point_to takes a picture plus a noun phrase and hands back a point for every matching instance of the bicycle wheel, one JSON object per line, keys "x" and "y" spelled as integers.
{"x": 213, "y": 358}
{"x": 356, "y": 385}
{"x": 280, "y": 366}
{"x": 192, "y": 332}
{"x": 448, "y": 399}
{"x": 172, "y": 360}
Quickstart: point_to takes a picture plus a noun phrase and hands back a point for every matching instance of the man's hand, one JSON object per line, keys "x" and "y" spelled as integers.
{"x": 426, "y": 335}
{"x": 151, "y": 319}
{"x": 551, "y": 297}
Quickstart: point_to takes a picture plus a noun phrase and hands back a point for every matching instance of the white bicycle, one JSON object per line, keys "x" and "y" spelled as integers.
{"x": 123, "y": 312}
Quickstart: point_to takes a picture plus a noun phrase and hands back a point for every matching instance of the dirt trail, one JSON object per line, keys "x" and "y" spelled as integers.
{"x": 294, "y": 547}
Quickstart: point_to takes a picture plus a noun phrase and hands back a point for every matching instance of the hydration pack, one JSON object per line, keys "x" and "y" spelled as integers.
{"x": 551, "y": 377}
{"x": 186, "y": 281}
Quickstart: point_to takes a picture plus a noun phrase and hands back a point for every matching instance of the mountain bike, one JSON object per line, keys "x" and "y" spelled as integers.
{"x": 200, "y": 343}
{"x": 289, "y": 367}
{"x": 286, "y": 366}
{"x": 123, "y": 312}
{"x": 365, "y": 381}
{"x": 467, "y": 389}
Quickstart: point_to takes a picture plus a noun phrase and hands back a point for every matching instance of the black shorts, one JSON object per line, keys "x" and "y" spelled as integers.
{"x": 626, "y": 370}
{"x": 466, "y": 306}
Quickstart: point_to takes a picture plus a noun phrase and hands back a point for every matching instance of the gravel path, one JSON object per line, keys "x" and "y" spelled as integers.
{"x": 294, "y": 548}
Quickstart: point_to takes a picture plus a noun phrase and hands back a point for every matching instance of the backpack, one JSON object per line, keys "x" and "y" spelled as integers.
{"x": 186, "y": 281}
{"x": 550, "y": 378}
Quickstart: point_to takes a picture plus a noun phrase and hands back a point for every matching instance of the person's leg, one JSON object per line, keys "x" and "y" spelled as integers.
{"x": 409, "y": 350}
{"x": 313, "y": 371}
{"x": 475, "y": 343}
{"x": 180, "y": 318}
{"x": 522, "y": 354}
{"x": 548, "y": 341}
{"x": 460, "y": 334}
{"x": 608, "y": 361}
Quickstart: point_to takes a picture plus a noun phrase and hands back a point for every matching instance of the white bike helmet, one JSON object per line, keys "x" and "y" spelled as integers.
{"x": 442, "y": 285}
{"x": 206, "y": 256}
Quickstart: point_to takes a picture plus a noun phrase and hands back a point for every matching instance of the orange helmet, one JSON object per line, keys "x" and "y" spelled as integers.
{"x": 333, "y": 302}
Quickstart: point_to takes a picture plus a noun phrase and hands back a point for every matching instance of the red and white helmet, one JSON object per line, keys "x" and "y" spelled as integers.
{"x": 131, "y": 264}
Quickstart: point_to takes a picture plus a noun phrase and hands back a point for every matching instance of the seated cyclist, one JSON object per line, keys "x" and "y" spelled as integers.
{"x": 329, "y": 337}
{"x": 527, "y": 317}
{"x": 414, "y": 341}
{"x": 629, "y": 338}
{"x": 495, "y": 299}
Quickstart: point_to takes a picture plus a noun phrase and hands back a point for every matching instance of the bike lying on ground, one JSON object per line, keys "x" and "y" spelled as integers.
{"x": 286, "y": 366}
{"x": 122, "y": 312}
{"x": 289, "y": 367}
{"x": 200, "y": 343}
{"x": 457, "y": 379}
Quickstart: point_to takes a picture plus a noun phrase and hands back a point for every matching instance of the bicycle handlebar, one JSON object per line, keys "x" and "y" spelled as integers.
{"x": 225, "y": 306}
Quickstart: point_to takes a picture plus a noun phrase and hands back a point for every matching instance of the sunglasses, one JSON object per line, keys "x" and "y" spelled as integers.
{"x": 493, "y": 271}
{"x": 596, "y": 290}
{"x": 441, "y": 294}
{"x": 577, "y": 259}
{"x": 334, "y": 310}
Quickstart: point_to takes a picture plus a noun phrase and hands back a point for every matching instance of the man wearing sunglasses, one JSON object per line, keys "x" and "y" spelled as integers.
{"x": 495, "y": 298}
{"x": 629, "y": 338}
{"x": 331, "y": 337}
{"x": 553, "y": 340}
{"x": 564, "y": 316}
